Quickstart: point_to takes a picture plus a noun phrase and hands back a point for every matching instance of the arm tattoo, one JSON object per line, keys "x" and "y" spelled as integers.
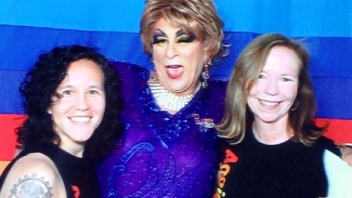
{"x": 31, "y": 187}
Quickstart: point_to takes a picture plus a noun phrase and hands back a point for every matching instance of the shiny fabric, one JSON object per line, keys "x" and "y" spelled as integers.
{"x": 163, "y": 155}
{"x": 29, "y": 28}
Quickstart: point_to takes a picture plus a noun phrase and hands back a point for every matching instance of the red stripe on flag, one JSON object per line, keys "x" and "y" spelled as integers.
{"x": 338, "y": 130}
{"x": 8, "y": 124}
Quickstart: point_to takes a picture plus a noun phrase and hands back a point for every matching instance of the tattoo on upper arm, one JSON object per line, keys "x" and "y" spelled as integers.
{"x": 31, "y": 187}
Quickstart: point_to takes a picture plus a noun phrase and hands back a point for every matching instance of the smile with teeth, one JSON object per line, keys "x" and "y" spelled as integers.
{"x": 80, "y": 118}
{"x": 269, "y": 103}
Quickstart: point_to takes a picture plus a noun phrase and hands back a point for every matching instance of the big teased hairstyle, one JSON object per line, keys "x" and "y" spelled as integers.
{"x": 247, "y": 68}
{"x": 194, "y": 16}
{"x": 40, "y": 84}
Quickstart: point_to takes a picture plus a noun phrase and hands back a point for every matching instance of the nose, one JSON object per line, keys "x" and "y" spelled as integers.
{"x": 171, "y": 51}
{"x": 82, "y": 103}
{"x": 271, "y": 87}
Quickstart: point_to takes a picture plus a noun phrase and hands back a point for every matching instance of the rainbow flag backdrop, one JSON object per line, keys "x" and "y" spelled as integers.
{"x": 28, "y": 28}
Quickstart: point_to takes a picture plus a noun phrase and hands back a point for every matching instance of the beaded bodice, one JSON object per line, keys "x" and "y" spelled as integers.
{"x": 163, "y": 155}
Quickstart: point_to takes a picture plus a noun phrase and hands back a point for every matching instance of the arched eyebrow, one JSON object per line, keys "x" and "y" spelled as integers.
{"x": 159, "y": 32}
{"x": 180, "y": 32}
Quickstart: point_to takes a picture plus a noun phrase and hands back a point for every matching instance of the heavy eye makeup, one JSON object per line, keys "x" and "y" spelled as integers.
{"x": 159, "y": 38}
{"x": 183, "y": 37}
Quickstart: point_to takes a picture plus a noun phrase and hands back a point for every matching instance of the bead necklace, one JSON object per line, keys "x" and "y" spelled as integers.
{"x": 166, "y": 99}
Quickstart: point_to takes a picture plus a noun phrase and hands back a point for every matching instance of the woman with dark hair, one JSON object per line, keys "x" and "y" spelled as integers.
{"x": 72, "y": 101}
{"x": 272, "y": 147}
{"x": 170, "y": 145}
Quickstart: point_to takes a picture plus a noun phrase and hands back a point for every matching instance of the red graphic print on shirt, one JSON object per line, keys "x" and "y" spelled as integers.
{"x": 76, "y": 191}
{"x": 230, "y": 157}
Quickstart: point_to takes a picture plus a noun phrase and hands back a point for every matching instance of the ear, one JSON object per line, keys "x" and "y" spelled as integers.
{"x": 207, "y": 57}
{"x": 206, "y": 44}
{"x": 206, "y": 48}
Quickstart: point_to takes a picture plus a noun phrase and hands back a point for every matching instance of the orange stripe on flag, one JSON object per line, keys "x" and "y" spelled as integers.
{"x": 3, "y": 165}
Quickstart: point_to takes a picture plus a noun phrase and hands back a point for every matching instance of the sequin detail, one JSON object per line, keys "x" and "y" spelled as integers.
{"x": 163, "y": 154}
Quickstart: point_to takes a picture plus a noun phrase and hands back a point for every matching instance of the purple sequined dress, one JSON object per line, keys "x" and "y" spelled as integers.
{"x": 163, "y": 155}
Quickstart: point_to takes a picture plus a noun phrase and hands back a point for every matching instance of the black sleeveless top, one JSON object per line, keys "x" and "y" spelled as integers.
{"x": 78, "y": 174}
{"x": 287, "y": 170}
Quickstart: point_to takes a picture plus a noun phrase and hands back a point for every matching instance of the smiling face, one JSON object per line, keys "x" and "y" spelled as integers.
{"x": 178, "y": 58}
{"x": 274, "y": 92}
{"x": 81, "y": 108}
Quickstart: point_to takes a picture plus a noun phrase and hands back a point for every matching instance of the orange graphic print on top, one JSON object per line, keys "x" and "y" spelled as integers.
{"x": 230, "y": 157}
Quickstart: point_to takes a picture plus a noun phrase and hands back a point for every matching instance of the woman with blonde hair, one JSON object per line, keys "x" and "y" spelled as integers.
{"x": 272, "y": 145}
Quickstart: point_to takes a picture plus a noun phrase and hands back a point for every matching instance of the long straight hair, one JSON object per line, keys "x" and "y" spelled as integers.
{"x": 249, "y": 65}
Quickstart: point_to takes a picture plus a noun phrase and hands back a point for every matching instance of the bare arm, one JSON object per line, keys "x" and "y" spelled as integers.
{"x": 34, "y": 175}
{"x": 339, "y": 176}
{"x": 346, "y": 152}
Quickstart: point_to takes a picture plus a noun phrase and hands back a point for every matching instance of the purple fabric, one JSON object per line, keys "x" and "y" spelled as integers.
{"x": 163, "y": 155}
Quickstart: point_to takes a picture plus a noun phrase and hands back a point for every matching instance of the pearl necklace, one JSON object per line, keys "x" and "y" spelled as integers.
{"x": 166, "y": 99}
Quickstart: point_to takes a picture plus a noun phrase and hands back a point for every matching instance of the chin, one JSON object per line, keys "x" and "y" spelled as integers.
{"x": 268, "y": 119}
{"x": 177, "y": 90}
{"x": 81, "y": 139}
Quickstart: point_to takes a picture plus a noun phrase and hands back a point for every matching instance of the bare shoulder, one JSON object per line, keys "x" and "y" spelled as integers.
{"x": 346, "y": 152}
{"x": 34, "y": 175}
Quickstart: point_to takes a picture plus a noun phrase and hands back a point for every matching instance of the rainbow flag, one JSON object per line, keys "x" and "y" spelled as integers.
{"x": 28, "y": 28}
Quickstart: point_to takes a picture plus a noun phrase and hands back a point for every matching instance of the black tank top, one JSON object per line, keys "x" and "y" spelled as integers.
{"x": 78, "y": 174}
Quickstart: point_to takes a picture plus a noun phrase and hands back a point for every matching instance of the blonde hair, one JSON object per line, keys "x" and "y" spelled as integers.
{"x": 238, "y": 116}
{"x": 194, "y": 16}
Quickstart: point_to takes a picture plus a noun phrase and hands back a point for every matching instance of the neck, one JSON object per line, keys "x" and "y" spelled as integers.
{"x": 73, "y": 149}
{"x": 166, "y": 100}
{"x": 271, "y": 133}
